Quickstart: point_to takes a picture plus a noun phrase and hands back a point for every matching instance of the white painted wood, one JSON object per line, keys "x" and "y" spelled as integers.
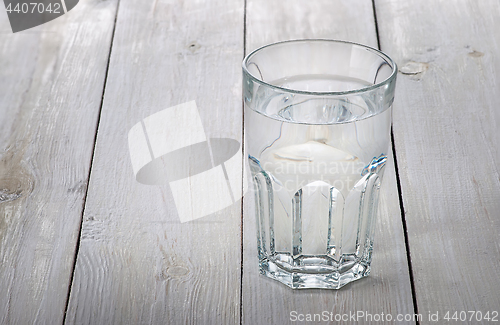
{"x": 387, "y": 289}
{"x": 274, "y": 21}
{"x": 137, "y": 263}
{"x": 51, "y": 84}
{"x": 446, "y": 122}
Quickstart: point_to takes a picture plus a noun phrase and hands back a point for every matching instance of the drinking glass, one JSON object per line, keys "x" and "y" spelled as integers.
{"x": 317, "y": 133}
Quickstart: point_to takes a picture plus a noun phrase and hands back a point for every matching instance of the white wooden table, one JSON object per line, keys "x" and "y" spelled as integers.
{"x": 81, "y": 242}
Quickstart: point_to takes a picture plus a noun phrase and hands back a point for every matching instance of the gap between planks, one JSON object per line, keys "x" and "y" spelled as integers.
{"x": 400, "y": 193}
{"x": 77, "y": 248}
{"x": 243, "y": 160}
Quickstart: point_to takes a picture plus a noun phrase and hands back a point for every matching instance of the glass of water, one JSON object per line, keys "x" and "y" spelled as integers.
{"x": 317, "y": 133}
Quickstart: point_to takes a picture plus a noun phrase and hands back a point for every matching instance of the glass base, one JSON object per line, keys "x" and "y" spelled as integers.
{"x": 300, "y": 280}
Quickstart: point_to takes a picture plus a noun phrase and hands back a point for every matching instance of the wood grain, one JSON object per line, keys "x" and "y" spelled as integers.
{"x": 137, "y": 263}
{"x": 51, "y": 85}
{"x": 446, "y": 134}
{"x": 387, "y": 289}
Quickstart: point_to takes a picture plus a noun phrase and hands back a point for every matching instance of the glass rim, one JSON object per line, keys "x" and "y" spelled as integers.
{"x": 322, "y": 93}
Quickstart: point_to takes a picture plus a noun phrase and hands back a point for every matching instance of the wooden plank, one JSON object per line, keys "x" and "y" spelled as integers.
{"x": 51, "y": 85}
{"x": 387, "y": 289}
{"x": 446, "y": 133}
{"x": 137, "y": 263}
